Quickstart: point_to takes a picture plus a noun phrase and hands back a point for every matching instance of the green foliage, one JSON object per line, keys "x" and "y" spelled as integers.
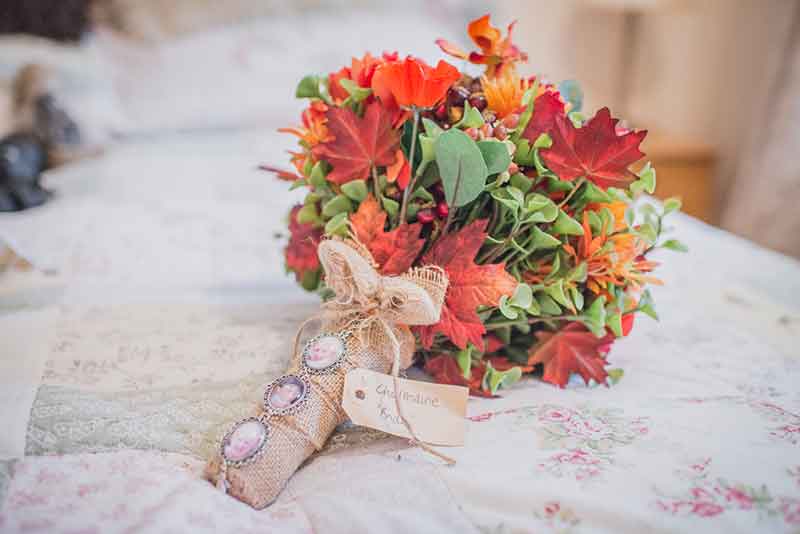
{"x": 462, "y": 168}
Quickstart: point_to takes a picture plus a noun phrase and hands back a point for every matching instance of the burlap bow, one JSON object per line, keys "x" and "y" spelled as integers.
{"x": 364, "y": 297}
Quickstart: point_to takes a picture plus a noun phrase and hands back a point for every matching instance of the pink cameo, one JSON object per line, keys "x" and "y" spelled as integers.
{"x": 244, "y": 441}
{"x": 323, "y": 352}
{"x": 286, "y": 393}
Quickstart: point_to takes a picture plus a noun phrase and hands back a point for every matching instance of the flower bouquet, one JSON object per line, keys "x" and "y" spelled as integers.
{"x": 525, "y": 202}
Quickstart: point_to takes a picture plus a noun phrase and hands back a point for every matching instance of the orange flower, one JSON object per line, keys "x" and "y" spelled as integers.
{"x": 617, "y": 209}
{"x": 360, "y": 71}
{"x": 504, "y": 92}
{"x": 413, "y": 83}
{"x": 615, "y": 260}
{"x": 496, "y": 53}
{"x": 313, "y": 131}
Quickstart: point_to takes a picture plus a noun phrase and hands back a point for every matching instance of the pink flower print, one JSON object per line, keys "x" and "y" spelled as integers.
{"x": 554, "y": 414}
{"x": 740, "y": 498}
{"x": 790, "y": 508}
{"x": 706, "y": 509}
{"x": 551, "y": 509}
{"x": 700, "y": 467}
{"x": 700, "y": 493}
{"x": 592, "y": 428}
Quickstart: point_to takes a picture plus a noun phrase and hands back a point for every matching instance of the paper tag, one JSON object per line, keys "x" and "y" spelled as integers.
{"x": 436, "y": 412}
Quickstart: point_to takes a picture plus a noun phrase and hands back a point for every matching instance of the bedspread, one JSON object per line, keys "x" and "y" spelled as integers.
{"x": 154, "y": 326}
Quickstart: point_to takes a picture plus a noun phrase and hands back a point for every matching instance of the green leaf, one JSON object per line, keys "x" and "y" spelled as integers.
{"x": 534, "y": 308}
{"x": 391, "y": 206}
{"x": 614, "y": 322}
{"x": 521, "y": 182}
{"x": 504, "y": 197}
{"x": 646, "y": 305}
{"x": 506, "y": 308}
{"x": 672, "y": 204}
{"x": 577, "y": 298}
{"x": 428, "y": 148}
{"x": 547, "y": 305}
{"x": 540, "y": 209}
{"x": 522, "y": 297}
{"x": 424, "y": 194}
{"x": 566, "y": 225}
{"x": 337, "y": 225}
{"x": 308, "y": 87}
{"x": 648, "y": 178}
{"x": 543, "y": 141}
{"x": 311, "y": 280}
{"x": 336, "y": 205}
{"x": 432, "y": 129}
{"x": 542, "y": 240}
{"x": 579, "y": 273}
{"x": 464, "y": 359}
{"x": 496, "y": 156}
{"x": 356, "y": 92}
{"x": 318, "y": 173}
{"x": 595, "y": 317}
{"x": 308, "y": 214}
{"x": 592, "y": 193}
{"x": 556, "y": 291}
{"x": 674, "y": 244}
{"x": 472, "y": 118}
{"x": 595, "y": 222}
{"x": 615, "y": 375}
{"x": 554, "y": 185}
{"x": 355, "y": 190}
{"x": 630, "y": 216}
{"x": 494, "y": 379}
{"x": 525, "y": 154}
{"x": 461, "y": 166}
{"x": 647, "y": 232}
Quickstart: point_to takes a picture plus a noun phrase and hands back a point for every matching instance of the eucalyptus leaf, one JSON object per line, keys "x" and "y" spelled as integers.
{"x": 308, "y": 214}
{"x": 521, "y": 182}
{"x": 556, "y": 291}
{"x": 462, "y": 168}
{"x": 357, "y": 93}
{"x": 432, "y": 129}
{"x": 542, "y": 240}
{"x": 672, "y": 204}
{"x": 391, "y": 206}
{"x": 674, "y": 244}
{"x": 464, "y": 359}
{"x": 547, "y": 305}
{"x": 506, "y": 308}
{"x": 496, "y": 156}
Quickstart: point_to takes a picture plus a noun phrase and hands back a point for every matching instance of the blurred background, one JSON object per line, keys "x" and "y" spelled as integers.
{"x": 104, "y": 86}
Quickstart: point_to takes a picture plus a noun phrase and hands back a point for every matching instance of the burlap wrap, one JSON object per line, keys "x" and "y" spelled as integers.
{"x": 377, "y": 310}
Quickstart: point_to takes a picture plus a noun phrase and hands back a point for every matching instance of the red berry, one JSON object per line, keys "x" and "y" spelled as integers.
{"x": 441, "y": 112}
{"x": 457, "y": 95}
{"x": 478, "y": 101}
{"x": 442, "y": 210}
{"x": 500, "y": 132}
{"x": 425, "y": 216}
{"x": 513, "y": 168}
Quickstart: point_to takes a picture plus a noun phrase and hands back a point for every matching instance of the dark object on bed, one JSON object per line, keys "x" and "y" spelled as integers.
{"x": 62, "y": 20}
{"x": 22, "y": 159}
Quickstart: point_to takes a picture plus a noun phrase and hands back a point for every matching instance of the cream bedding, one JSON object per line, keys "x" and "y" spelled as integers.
{"x": 161, "y": 320}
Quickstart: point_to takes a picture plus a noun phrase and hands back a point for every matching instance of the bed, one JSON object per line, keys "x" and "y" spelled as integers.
{"x": 149, "y": 323}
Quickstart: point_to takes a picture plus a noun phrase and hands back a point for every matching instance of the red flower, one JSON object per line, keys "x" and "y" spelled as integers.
{"x": 360, "y": 71}
{"x": 413, "y": 83}
{"x": 301, "y": 252}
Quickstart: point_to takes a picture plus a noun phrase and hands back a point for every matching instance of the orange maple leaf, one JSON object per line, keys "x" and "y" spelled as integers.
{"x": 573, "y": 349}
{"x": 471, "y": 285}
{"x": 393, "y": 251}
{"x": 445, "y": 370}
{"x": 358, "y": 144}
{"x": 301, "y": 251}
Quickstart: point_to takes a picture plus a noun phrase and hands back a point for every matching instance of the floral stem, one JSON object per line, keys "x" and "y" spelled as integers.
{"x": 578, "y": 185}
{"x": 503, "y": 324}
{"x": 376, "y": 184}
{"x": 411, "y": 150}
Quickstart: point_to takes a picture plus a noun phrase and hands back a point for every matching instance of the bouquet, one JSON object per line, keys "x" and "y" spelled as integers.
{"x": 524, "y": 201}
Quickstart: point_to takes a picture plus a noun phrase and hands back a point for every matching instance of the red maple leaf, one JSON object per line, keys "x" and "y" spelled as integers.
{"x": 573, "y": 349}
{"x": 358, "y": 143}
{"x": 301, "y": 252}
{"x": 445, "y": 370}
{"x": 594, "y": 150}
{"x": 546, "y": 108}
{"x": 471, "y": 285}
{"x": 393, "y": 251}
